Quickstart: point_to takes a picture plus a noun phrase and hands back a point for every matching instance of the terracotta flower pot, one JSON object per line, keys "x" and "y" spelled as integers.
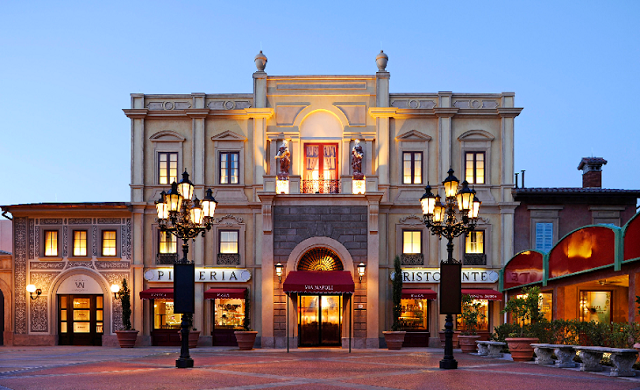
{"x": 468, "y": 343}
{"x": 246, "y": 339}
{"x": 127, "y": 338}
{"x": 394, "y": 339}
{"x": 520, "y": 348}
{"x": 194, "y": 336}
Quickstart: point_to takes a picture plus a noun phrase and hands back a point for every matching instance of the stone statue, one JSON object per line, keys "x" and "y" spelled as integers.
{"x": 285, "y": 161}
{"x": 356, "y": 163}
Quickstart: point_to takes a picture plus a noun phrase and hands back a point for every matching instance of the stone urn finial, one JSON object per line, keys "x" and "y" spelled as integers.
{"x": 261, "y": 61}
{"x": 381, "y": 61}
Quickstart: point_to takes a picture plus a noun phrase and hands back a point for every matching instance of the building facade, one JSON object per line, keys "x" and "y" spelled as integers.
{"x": 315, "y": 176}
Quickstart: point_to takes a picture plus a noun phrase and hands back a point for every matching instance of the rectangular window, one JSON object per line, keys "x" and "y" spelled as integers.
{"x": 483, "y": 325}
{"x": 229, "y": 313}
{"x": 79, "y": 242}
{"x": 229, "y": 167}
{"x": 167, "y": 167}
{"x": 474, "y": 167}
{"x": 51, "y": 243}
{"x": 167, "y": 243}
{"x": 544, "y": 236}
{"x": 414, "y": 315}
{"x": 595, "y": 306}
{"x": 412, "y": 167}
{"x": 163, "y": 315}
{"x": 412, "y": 241}
{"x": 228, "y": 241}
{"x": 474, "y": 242}
{"x": 108, "y": 243}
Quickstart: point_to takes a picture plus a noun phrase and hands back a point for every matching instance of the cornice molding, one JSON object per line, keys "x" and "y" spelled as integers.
{"x": 136, "y": 113}
{"x": 509, "y": 112}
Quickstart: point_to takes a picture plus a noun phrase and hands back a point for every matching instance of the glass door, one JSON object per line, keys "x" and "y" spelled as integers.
{"x": 320, "y": 320}
{"x": 80, "y": 319}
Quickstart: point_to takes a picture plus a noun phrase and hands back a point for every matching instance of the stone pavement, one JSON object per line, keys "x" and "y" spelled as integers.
{"x": 63, "y": 367}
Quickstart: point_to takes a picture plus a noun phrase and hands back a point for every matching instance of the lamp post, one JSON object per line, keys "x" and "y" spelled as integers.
{"x": 185, "y": 218}
{"x": 442, "y": 220}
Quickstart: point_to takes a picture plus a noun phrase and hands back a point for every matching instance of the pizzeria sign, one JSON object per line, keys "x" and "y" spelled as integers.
{"x": 201, "y": 274}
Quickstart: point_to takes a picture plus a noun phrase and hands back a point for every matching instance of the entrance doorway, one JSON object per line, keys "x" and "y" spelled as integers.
{"x": 320, "y": 320}
{"x": 80, "y": 319}
{"x": 1, "y": 317}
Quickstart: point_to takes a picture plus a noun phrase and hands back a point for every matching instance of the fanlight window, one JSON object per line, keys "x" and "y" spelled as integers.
{"x": 320, "y": 259}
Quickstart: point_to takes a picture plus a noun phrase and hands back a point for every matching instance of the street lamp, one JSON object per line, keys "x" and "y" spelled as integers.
{"x": 442, "y": 220}
{"x": 185, "y": 218}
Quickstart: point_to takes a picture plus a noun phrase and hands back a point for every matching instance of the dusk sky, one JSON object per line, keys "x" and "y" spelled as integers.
{"x": 67, "y": 69}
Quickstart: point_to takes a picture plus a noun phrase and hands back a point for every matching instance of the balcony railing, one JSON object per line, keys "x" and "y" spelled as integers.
{"x": 228, "y": 259}
{"x": 166, "y": 258}
{"x": 475, "y": 259}
{"x": 320, "y": 187}
{"x": 412, "y": 259}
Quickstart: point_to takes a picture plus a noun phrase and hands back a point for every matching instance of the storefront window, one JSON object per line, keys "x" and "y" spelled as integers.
{"x": 163, "y": 315}
{"x": 229, "y": 313}
{"x": 545, "y": 304}
{"x": 483, "y": 323}
{"x": 595, "y": 306}
{"x": 414, "y": 315}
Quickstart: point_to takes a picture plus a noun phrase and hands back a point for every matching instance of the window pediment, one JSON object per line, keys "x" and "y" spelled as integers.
{"x": 167, "y": 136}
{"x": 476, "y": 135}
{"x": 228, "y": 136}
{"x": 413, "y": 136}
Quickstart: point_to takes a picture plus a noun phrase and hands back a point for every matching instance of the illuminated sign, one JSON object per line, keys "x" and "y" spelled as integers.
{"x": 202, "y": 274}
{"x": 432, "y": 275}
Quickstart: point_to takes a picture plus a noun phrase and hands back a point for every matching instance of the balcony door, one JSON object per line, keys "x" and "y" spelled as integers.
{"x": 320, "y": 168}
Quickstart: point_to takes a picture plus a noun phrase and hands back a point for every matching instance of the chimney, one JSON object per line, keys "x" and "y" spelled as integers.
{"x": 592, "y": 171}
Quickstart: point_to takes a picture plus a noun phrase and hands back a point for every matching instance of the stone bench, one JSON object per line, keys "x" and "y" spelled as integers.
{"x": 490, "y": 348}
{"x": 622, "y": 359}
{"x": 564, "y": 353}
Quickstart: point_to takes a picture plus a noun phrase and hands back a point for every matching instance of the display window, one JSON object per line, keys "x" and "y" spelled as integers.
{"x": 545, "y": 305}
{"x": 595, "y": 306}
{"x": 229, "y": 313}
{"x": 483, "y": 323}
{"x": 414, "y": 315}
{"x": 163, "y": 315}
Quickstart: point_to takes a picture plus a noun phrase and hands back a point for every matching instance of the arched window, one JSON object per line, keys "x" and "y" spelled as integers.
{"x": 320, "y": 259}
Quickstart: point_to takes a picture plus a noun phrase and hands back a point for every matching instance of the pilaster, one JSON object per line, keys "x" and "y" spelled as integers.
{"x": 265, "y": 257}
{"x": 373, "y": 271}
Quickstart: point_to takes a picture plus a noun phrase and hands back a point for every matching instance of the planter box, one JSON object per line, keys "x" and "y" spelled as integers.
{"x": 394, "y": 339}
{"x": 127, "y": 338}
{"x": 246, "y": 339}
{"x": 520, "y": 348}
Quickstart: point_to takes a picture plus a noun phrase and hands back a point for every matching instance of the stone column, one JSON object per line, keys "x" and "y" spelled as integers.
{"x": 265, "y": 257}
{"x": 137, "y": 114}
{"x": 382, "y": 128}
{"x": 373, "y": 272}
{"x": 137, "y": 282}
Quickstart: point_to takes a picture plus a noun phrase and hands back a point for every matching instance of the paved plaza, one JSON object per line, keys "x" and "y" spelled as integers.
{"x": 228, "y": 368}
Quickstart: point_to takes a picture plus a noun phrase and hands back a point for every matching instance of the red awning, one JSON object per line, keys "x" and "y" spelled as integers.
{"x": 423, "y": 293}
{"x": 319, "y": 282}
{"x": 157, "y": 293}
{"x": 216, "y": 293}
{"x": 491, "y": 295}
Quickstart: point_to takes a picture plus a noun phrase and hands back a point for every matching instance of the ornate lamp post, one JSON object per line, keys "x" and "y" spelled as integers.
{"x": 185, "y": 218}
{"x": 442, "y": 220}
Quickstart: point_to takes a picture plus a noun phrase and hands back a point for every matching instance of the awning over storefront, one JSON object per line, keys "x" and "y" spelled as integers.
{"x": 319, "y": 282}
{"x": 231, "y": 293}
{"x": 491, "y": 295}
{"x": 157, "y": 293}
{"x": 423, "y": 293}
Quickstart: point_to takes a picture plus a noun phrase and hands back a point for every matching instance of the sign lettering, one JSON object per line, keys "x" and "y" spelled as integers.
{"x": 432, "y": 275}
{"x": 202, "y": 274}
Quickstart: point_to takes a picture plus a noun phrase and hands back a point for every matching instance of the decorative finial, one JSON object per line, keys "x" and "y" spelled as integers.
{"x": 261, "y": 61}
{"x": 381, "y": 61}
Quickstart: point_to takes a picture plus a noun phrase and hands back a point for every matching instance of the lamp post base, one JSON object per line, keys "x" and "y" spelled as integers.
{"x": 185, "y": 360}
{"x": 451, "y": 364}
{"x": 448, "y": 362}
{"x": 184, "y": 363}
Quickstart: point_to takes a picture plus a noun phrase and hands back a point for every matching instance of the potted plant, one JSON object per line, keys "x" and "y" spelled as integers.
{"x": 525, "y": 310}
{"x": 470, "y": 316}
{"x": 246, "y": 338}
{"x": 127, "y": 337}
{"x": 395, "y": 337}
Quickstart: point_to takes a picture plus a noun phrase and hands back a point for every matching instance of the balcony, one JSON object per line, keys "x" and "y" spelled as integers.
{"x": 320, "y": 187}
{"x": 412, "y": 259}
{"x": 166, "y": 258}
{"x": 228, "y": 259}
{"x": 474, "y": 259}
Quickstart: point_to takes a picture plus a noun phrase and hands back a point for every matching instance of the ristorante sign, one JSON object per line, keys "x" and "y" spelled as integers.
{"x": 202, "y": 274}
{"x": 432, "y": 275}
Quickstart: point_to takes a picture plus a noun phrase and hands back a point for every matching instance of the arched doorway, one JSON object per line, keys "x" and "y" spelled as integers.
{"x": 320, "y": 314}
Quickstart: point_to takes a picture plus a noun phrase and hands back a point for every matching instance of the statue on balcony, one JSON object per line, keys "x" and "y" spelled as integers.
{"x": 285, "y": 161}
{"x": 357, "y": 154}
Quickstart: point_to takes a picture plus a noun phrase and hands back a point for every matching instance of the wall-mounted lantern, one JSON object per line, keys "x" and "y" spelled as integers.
{"x": 115, "y": 289}
{"x": 33, "y": 290}
{"x": 361, "y": 267}
{"x": 279, "y": 268}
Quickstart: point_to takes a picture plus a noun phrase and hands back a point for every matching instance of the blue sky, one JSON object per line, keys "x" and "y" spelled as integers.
{"x": 67, "y": 69}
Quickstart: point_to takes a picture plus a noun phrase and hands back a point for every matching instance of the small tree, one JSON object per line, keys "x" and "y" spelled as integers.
{"x": 525, "y": 309}
{"x": 397, "y": 293}
{"x": 246, "y": 323}
{"x": 471, "y": 315}
{"x": 125, "y": 299}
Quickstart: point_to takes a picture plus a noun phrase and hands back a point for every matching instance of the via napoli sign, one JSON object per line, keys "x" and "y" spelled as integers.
{"x": 432, "y": 275}
{"x": 202, "y": 274}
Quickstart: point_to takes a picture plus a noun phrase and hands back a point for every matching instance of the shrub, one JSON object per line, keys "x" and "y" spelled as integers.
{"x": 397, "y": 293}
